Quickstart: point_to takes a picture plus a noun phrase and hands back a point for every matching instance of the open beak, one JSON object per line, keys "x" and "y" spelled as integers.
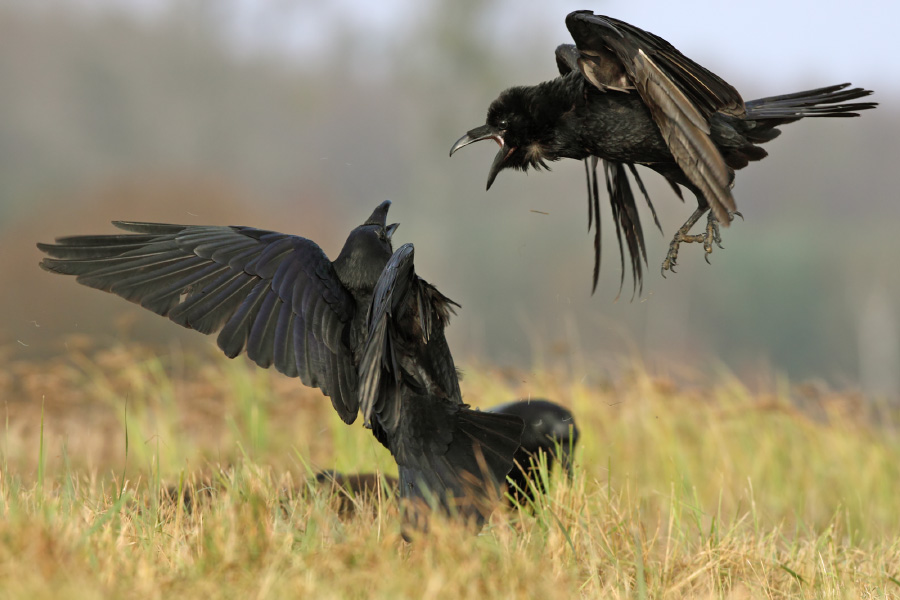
{"x": 486, "y": 132}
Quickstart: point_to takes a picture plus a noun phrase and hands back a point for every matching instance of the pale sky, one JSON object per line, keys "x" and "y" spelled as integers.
{"x": 770, "y": 41}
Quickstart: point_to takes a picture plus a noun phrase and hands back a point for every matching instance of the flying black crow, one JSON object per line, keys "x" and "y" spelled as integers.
{"x": 279, "y": 298}
{"x": 549, "y": 430}
{"x": 625, "y": 97}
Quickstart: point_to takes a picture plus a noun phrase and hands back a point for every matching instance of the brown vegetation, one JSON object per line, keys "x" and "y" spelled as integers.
{"x": 679, "y": 491}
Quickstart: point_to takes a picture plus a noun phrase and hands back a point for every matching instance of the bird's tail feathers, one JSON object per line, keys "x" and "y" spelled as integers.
{"x": 830, "y": 101}
{"x": 464, "y": 479}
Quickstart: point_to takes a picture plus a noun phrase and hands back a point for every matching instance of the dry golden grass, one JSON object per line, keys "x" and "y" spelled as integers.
{"x": 679, "y": 492}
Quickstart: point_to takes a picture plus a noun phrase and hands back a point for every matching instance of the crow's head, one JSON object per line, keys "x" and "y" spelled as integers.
{"x": 515, "y": 122}
{"x": 367, "y": 250}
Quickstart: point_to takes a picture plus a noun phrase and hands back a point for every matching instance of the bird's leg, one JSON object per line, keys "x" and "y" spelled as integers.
{"x": 712, "y": 236}
{"x": 712, "y": 232}
{"x": 682, "y": 236}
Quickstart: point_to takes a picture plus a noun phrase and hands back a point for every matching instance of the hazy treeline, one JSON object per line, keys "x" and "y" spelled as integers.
{"x": 108, "y": 115}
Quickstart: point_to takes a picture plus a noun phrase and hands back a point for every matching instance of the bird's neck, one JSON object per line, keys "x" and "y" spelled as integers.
{"x": 558, "y": 97}
{"x": 558, "y": 112}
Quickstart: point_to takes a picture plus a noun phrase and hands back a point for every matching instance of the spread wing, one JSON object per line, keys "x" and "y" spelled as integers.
{"x": 406, "y": 345}
{"x": 680, "y": 94}
{"x": 276, "y": 296}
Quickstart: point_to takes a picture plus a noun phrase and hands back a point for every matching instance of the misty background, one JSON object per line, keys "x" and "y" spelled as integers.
{"x": 303, "y": 116}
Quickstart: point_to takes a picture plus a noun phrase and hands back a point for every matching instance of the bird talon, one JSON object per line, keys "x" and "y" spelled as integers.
{"x": 670, "y": 262}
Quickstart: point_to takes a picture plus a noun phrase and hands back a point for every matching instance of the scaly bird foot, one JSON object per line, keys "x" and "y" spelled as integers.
{"x": 710, "y": 237}
{"x": 713, "y": 234}
{"x": 672, "y": 256}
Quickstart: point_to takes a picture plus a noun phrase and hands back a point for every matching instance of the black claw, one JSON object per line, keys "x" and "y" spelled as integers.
{"x": 707, "y": 259}
{"x": 738, "y": 214}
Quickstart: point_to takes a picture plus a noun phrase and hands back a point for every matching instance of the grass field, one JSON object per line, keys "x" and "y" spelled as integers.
{"x": 680, "y": 490}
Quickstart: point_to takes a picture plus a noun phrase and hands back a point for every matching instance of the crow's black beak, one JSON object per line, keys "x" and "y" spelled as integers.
{"x": 390, "y": 229}
{"x": 379, "y": 217}
{"x": 486, "y": 132}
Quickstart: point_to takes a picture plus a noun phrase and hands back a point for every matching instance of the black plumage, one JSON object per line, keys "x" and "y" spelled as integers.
{"x": 279, "y": 298}
{"x": 409, "y": 388}
{"x": 550, "y": 435}
{"x": 625, "y": 97}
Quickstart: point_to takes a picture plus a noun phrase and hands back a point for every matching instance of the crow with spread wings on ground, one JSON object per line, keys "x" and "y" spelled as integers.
{"x": 279, "y": 298}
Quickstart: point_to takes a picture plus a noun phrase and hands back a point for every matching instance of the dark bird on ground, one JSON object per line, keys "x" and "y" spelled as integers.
{"x": 550, "y": 430}
{"x": 279, "y": 298}
{"x": 627, "y": 97}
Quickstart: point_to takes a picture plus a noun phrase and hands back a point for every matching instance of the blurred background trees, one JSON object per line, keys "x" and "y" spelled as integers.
{"x": 302, "y": 116}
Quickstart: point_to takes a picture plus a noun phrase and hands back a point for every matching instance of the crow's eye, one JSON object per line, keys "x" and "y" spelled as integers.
{"x": 503, "y": 125}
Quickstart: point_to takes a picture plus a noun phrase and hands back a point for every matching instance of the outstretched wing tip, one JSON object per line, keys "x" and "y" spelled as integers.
{"x": 242, "y": 282}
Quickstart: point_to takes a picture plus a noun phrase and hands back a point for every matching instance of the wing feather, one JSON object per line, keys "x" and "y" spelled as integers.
{"x": 379, "y": 356}
{"x": 680, "y": 94}
{"x": 275, "y": 296}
